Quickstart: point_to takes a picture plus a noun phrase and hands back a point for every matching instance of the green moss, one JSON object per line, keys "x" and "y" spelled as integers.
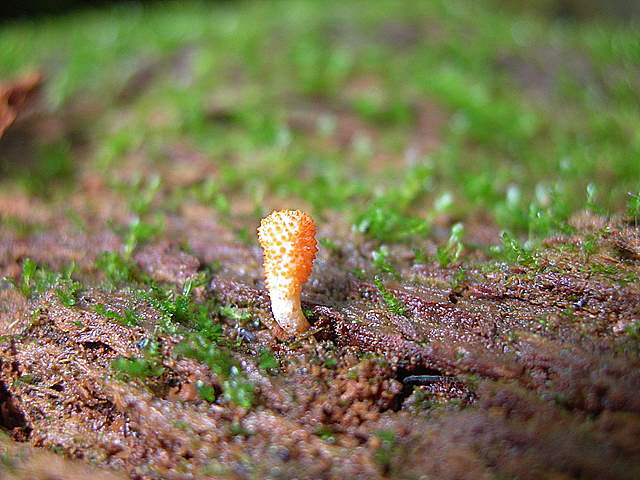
{"x": 589, "y": 245}
{"x": 326, "y": 434}
{"x": 382, "y": 262}
{"x": 137, "y": 368}
{"x": 394, "y": 305}
{"x": 604, "y": 269}
{"x": 387, "y": 450}
{"x": 331, "y": 362}
{"x": 267, "y": 361}
{"x": 28, "y": 283}
{"x": 67, "y": 292}
{"x": 206, "y": 392}
{"x": 142, "y": 194}
{"x": 179, "y": 310}
{"x": 512, "y": 251}
{"x": 233, "y": 313}
{"x": 117, "y": 269}
{"x": 329, "y": 244}
{"x": 129, "y": 318}
{"x": 142, "y": 368}
{"x": 450, "y": 252}
{"x": 140, "y": 232}
{"x": 458, "y": 279}
{"x": 35, "y": 280}
{"x": 8, "y": 462}
{"x": 388, "y": 218}
{"x": 236, "y": 388}
{"x": 633, "y": 331}
{"x": 26, "y": 379}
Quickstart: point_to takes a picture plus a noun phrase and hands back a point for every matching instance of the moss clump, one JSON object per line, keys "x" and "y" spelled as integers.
{"x": 35, "y": 280}
{"x": 236, "y": 388}
{"x": 128, "y": 318}
{"x": 142, "y": 368}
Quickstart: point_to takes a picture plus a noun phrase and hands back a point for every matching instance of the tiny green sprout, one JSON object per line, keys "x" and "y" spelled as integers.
{"x": 206, "y": 391}
{"x": 129, "y": 319}
{"x": 331, "y": 363}
{"x": 326, "y": 434}
{"x": 420, "y": 257}
{"x": 443, "y": 203}
{"x": 544, "y": 322}
{"x": 142, "y": 196}
{"x": 238, "y": 390}
{"x": 385, "y": 452}
{"x": 199, "y": 348}
{"x": 633, "y": 330}
{"x": 394, "y": 305}
{"x": 633, "y": 207}
{"x": 35, "y": 280}
{"x": 458, "y": 279}
{"x": 117, "y": 269}
{"x": 512, "y": 251}
{"x": 140, "y": 232}
{"x": 384, "y": 221}
{"x": 450, "y": 252}
{"x": 267, "y": 361}
{"x": 29, "y": 268}
{"x": 359, "y": 273}
{"x": 236, "y": 429}
{"x": 388, "y": 217}
{"x": 382, "y": 263}
{"x": 26, "y": 379}
{"x": 592, "y": 196}
{"x": 234, "y": 313}
{"x": 589, "y": 245}
{"x": 604, "y": 269}
{"x": 136, "y": 368}
{"x": 180, "y": 310}
{"x": 67, "y": 291}
{"x": 145, "y": 367}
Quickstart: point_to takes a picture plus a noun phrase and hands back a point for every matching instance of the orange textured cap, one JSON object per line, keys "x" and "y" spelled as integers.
{"x": 287, "y": 238}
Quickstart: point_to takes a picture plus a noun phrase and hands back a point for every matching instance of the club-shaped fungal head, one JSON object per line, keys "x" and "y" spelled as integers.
{"x": 287, "y": 238}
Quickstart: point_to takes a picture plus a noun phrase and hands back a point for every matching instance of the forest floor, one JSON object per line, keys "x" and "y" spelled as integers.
{"x": 474, "y": 172}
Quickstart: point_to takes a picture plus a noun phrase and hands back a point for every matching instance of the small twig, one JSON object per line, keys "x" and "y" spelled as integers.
{"x": 424, "y": 379}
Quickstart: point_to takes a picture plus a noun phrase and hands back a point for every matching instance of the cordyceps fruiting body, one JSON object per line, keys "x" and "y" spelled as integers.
{"x": 288, "y": 241}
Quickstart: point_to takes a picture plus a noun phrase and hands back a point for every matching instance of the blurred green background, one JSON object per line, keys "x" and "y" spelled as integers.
{"x": 397, "y": 116}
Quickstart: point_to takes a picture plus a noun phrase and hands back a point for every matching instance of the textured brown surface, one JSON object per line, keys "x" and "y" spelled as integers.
{"x": 521, "y": 398}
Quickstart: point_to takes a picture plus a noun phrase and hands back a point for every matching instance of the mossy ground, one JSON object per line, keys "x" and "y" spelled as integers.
{"x": 474, "y": 171}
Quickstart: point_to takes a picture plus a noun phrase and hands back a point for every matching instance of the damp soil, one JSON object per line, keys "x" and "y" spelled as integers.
{"x": 516, "y": 372}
